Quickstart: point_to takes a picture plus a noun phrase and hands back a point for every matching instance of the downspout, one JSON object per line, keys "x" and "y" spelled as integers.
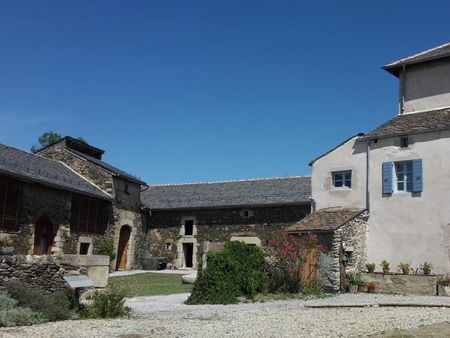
{"x": 367, "y": 174}
{"x": 402, "y": 90}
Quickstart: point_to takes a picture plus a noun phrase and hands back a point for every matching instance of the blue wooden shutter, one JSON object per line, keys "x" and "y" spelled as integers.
{"x": 417, "y": 175}
{"x": 387, "y": 177}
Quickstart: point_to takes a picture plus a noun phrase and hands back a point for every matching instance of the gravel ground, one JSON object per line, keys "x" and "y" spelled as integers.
{"x": 166, "y": 316}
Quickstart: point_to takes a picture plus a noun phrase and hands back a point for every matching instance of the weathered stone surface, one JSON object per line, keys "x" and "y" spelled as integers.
{"x": 189, "y": 279}
{"x": 402, "y": 284}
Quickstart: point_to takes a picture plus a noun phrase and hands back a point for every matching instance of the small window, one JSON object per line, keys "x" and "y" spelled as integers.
{"x": 404, "y": 175}
{"x": 404, "y": 142}
{"x": 168, "y": 246}
{"x": 342, "y": 179}
{"x": 188, "y": 227}
{"x": 246, "y": 213}
{"x": 84, "y": 248}
{"x": 125, "y": 190}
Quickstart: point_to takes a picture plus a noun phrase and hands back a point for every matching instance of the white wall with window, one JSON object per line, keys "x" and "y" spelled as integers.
{"x": 339, "y": 177}
{"x": 409, "y": 190}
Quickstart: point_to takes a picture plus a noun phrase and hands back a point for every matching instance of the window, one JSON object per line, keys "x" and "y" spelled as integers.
{"x": 88, "y": 215}
{"x": 342, "y": 179}
{"x": 404, "y": 142}
{"x": 168, "y": 246}
{"x": 189, "y": 227}
{"x": 404, "y": 175}
{"x": 84, "y": 248}
{"x": 9, "y": 203}
{"x": 125, "y": 190}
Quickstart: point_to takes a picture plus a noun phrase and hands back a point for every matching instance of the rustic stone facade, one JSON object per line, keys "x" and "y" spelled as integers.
{"x": 350, "y": 240}
{"x": 166, "y": 229}
{"x": 126, "y": 205}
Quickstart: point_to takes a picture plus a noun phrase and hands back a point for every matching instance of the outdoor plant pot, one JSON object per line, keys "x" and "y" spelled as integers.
{"x": 427, "y": 272}
{"x": 371, "y": 287}
{"x": 371, "y": 270}
{"x": 353, "y": 288}
{"x": 406, "y": 271}
{"x": 7, "y": 251}
{"x": 386, "y": 271}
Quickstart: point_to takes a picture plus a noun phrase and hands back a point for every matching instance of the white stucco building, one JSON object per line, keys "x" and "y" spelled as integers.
{"x": 400, "y": 171}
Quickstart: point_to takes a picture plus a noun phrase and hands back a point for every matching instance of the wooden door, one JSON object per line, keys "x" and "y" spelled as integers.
{"x": 43, "y": 237}
{"x": 310, "y": 271}
{"x": 122, "y": 250}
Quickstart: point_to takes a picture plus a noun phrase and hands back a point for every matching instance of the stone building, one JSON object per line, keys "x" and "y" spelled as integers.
{"x": 187, "y": 220}
{"x": 66, "y": 199}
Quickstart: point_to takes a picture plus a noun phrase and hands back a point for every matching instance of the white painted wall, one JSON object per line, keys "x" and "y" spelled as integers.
{"x": 404, "y": 227}
{"x": 427, "y": 87}
{"x": 349, "y": 156}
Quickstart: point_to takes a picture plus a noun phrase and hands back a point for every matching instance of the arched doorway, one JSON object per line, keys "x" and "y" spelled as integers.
{"x": 122, "y": 249}
{"x": 43, "y": 236}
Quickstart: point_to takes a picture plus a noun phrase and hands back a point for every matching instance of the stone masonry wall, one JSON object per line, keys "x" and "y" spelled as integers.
{"x": 41, "y": 272}
{"x": 216, "y": 225}
{"x": 353, "y": 235}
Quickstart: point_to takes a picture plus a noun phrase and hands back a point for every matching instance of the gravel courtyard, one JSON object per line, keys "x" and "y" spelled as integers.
{"x": 167, "y": 316}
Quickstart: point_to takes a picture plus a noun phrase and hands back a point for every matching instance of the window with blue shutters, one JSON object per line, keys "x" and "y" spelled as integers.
{"x": 402, "y": 176}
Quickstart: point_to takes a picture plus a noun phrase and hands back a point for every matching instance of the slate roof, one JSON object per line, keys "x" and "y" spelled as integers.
{"x": 412, "y": 123}
{"x": 326, "y": 220}
{"x": 34, "y": 168}
{"x": 439, "y": 52}
{"x": 252, "y": 192}
{"x": 113, "y": 170}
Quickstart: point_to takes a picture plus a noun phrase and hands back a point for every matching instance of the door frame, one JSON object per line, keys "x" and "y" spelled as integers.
{"x": 123, "y": 249}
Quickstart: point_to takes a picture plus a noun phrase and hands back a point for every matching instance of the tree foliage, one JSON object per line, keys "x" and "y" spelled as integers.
{"x": 45, "y": 140}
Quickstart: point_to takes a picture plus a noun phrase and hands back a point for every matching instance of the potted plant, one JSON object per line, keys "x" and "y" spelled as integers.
{"x": 385, "y": 265}
{"x": 370, "y": 267}
{"x": 426, "y": 268}
{"x": 6, "y": 247}
{"x": 354, "y": 281}
{"x": 405, "y": 267}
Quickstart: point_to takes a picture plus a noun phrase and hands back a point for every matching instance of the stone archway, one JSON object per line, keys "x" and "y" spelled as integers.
{"x": 44, "y": 235}
{"x": 123, "y": 248}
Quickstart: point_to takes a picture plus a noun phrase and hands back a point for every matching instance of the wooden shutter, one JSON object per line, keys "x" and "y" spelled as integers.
{"x": 387, "y": 177}
{"x": 417, "y": 175}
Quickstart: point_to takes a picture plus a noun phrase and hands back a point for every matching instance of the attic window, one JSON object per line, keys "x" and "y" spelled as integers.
{"x": 404, "y": 142}
{"x": 246, "y": 213}
{"x": 126, "y": 191}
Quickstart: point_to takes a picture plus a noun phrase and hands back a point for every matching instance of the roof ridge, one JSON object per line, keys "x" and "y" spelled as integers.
{"x": 229, "y": 181}
{"x": 418, "y": 54}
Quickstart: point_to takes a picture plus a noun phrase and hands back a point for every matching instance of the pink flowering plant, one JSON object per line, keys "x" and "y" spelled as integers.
{"x": 291, "y": 263}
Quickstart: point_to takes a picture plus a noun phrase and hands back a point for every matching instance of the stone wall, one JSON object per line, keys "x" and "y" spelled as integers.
{"x": 125, "y": 211}
{"x": 402, "y": 284}
{"x": 41, "y": 272}
{"x": 350, "y": 239}
{"x": 165, "y": 231}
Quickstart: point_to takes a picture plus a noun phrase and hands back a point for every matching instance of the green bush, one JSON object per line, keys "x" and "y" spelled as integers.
{"x": 18, "y": 316}
{"x": 105, "y": 247}
{"x": 107, "y": 304}
{"x": 235, "y": 272}
{"x": 7, "y": 302}
{"x": 12, "y": 315}
{"x": 54, "y": 306}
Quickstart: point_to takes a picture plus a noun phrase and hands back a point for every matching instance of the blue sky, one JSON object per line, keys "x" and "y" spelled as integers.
{"x": 183, "y": 91}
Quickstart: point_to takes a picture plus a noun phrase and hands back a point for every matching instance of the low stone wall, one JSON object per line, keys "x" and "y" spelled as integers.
{"x": 46, "y": 272}
{"x": 402, "y": 284}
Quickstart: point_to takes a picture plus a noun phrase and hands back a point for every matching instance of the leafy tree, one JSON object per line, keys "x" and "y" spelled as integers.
{"x": 45, "y": 140}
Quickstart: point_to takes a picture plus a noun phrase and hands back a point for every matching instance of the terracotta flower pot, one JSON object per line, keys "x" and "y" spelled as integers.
{"x": 386, "y": 271}
{"x": 371, "y": 270}
{"x": 426, "y": 272}
{"x": 406, "y": 271}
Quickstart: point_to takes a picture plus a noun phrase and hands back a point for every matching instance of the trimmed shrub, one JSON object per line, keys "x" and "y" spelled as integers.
{"x": 107, "y": 304}
{"x": 235, "y": 272}
{"x": 53, "y": 306}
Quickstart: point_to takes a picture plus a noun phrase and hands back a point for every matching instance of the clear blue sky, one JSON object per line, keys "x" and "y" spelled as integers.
{"x": 182, "y": 91}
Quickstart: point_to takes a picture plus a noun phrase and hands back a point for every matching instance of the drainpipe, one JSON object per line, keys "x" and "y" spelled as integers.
{"x": 367, "y": 174}
{"x": 402, "y": 90}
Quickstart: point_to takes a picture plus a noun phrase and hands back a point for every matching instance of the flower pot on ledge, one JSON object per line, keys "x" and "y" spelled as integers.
{"x": 406, "y": 271}
{"x": 427, "y": 272}
{"x": 386, "y": 271}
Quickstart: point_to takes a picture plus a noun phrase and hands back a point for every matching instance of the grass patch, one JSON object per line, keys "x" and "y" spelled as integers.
{"x": 151, "y": 284}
